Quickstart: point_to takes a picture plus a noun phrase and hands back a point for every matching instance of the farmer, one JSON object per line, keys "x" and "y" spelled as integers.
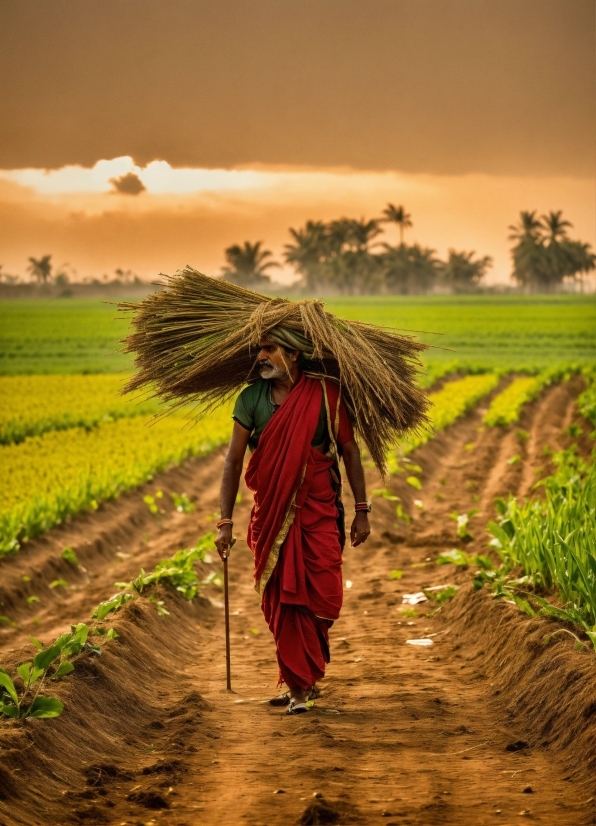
{"x": 311, "y": 380}
{"x": 296, "y": 426}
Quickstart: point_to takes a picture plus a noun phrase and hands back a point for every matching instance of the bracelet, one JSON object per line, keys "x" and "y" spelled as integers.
{"x": 363, "y": 506}
{"x": 224, "y": 522}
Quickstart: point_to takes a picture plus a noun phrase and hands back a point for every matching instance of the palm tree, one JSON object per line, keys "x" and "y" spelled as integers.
{"x": 579, "y": 259}
{"x": 247, "y": 264}
{"x": 398, "y": 215}
{"x": 362, "y": 232}
{"x": 308, "y": 253}
{"x": 529, "y": 226}
{"x": 560, "y": 258}
{"x": 530, "y": 264}
{"x": 41, "y": 269}
{"x": 409, "y": 270}
{"x": 555, "y": 226}
{"x": 461, "y": 273}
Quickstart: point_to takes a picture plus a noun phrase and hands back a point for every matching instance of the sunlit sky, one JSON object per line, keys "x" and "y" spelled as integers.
{"x": 241, "y": 119}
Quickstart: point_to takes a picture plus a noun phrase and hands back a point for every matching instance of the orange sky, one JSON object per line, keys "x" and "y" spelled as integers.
{"x": 465, "y": 111}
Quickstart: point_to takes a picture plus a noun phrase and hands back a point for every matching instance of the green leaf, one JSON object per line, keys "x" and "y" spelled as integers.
{"x": 445, "y": 594}
{"x": 385, "y": 493}
{"x": 63, "y": 639}
{"x": 482, "y": 561}
{"x": 499, "y": 534}
{"x": 401, "y": 514}
{"x": 509, "y": 528}
{"x": 47, "y": 656}
{"x": 36, "y": 642}
{"x": 523, "y": 605}
{"x": 36, "y": 673}
{"x": 59, "y": 583}
{"x": 10, "y": 711}
{"x": 105, "y": 608}
{"x": 396, "y": 574}
{"x": 8, "y": 684}
{"x": 24, "y": 672}
{"x": 63, "y": 669}
{"x": 44, "y": 708}
{"x": 501, "y": 506}
{"x": 112, "y": 634}
{"x": 69, "y": 555}
{"x": 81, "y": 632}
{"x": 454, "y": 556}
{"x": 95, "y": 649}
{"x": 414, "y": 482}
{"x": 32, "y": 599}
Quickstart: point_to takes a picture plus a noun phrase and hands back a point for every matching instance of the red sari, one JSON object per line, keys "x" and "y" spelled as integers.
{"x": 293, "y": 531}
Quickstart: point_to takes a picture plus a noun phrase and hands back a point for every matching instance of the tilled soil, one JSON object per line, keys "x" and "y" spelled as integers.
{"x": 487, "y": 725}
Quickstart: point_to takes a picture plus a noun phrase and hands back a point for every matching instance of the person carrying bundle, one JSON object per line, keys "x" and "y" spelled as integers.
{"x": 296, "y": 427}
{"x": 310, "y": 383}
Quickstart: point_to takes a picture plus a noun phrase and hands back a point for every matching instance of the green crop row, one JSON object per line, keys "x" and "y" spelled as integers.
{"x": 47, "y": 478}
{"x": 506, "y": 407}
{"x": 450, "y": 403}
{"x": 586, "y": 402}
{"x": 552, "y": 541}
{"x": 22, "y": 699}
{"x": 32, "y": 405}
{"x": 547, "y": 544}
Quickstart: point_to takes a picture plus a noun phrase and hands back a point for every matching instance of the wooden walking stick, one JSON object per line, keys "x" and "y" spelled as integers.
{"x": 227, "y": 614}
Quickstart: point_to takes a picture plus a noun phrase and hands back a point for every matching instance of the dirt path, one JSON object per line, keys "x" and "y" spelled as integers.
{"x": 401, "y": 734}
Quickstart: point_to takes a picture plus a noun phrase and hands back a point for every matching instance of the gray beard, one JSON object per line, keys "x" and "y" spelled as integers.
{"x": 272, "y": 372}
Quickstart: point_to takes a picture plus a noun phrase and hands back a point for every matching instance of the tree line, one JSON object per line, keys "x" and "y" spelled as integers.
{"x": 42, "y": 271}
{"x": 346, "y": 256}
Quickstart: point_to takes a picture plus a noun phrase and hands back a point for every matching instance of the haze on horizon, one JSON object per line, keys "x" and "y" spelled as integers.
{"x": 466, "y": 111}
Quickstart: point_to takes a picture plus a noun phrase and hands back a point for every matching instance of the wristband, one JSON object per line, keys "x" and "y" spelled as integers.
{"x": 363, "y": 506}
{"x": 224, "y": 522}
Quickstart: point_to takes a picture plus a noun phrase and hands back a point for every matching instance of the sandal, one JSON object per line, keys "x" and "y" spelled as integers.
{"x": 296, "y": 708}
{"x": 284, "y": 699}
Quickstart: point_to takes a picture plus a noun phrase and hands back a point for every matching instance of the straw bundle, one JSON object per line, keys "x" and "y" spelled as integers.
{"x": 197, "y": 340}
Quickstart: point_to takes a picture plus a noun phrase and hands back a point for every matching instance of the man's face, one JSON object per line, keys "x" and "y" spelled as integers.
{"x": 273, "y": 361}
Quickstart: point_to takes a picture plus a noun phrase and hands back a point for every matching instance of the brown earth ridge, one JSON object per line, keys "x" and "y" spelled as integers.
{"x": 487, "y": 725}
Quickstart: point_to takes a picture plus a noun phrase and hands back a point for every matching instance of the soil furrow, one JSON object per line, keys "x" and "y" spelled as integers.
{"x": 445, "y": 734}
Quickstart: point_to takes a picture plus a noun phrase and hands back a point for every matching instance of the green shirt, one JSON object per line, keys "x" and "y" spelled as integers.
{"x": 254, "y": 408}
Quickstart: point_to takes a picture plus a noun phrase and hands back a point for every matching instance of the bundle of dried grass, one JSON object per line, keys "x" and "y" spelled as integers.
{"x": 197, "y": 339}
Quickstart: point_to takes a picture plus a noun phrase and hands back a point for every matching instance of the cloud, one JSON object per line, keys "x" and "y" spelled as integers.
{"x": 436, "y": 86}
{"x": 129, "y": 184}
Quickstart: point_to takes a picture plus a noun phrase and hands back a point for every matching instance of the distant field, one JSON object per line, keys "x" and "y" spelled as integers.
{"x": 509, "y": 332}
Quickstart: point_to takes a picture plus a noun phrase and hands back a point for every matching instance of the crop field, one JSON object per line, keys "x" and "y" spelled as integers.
{"x": 467, "y": 618}
{"x": 509, "y": 332}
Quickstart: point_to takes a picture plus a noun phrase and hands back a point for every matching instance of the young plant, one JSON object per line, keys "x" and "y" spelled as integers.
{"x": 182, "y": 503}
{"x": 69, "y": 556}
{"x": 15, "y": 705}
{"x": 462, "y": 520}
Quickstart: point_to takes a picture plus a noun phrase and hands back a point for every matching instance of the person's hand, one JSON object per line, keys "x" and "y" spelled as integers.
{"x": 360, "y": 530}
{"x": 223, "y": 541}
